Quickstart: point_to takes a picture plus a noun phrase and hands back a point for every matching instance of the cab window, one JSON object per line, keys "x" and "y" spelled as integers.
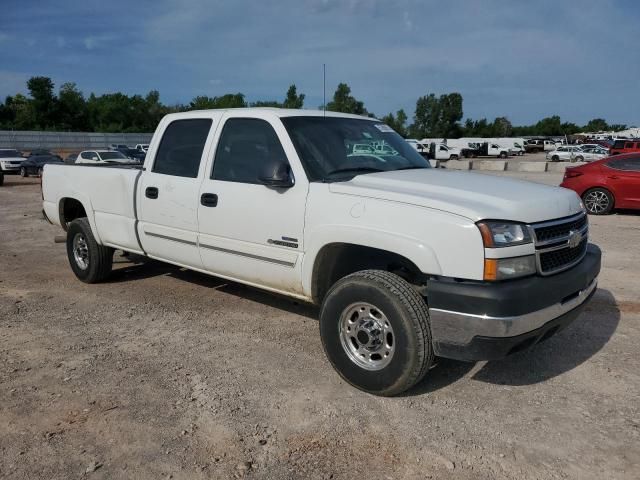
{"x": 245, "y": 145}
{"x": 181, "y": 147}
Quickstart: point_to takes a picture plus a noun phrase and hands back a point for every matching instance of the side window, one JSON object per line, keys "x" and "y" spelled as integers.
{"x": 628, "y": 164}
{"x": 245, "y": 145}
{"x": 88, "y": 155}
{"x": 628, "y": 145}
{"x": 181, "y": 147}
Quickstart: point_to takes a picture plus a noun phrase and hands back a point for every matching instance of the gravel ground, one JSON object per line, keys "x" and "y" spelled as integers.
{"x": 165, "y": 373}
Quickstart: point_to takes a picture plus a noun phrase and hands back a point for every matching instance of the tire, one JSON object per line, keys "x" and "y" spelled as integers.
{"x": 396, "y": 309}
{"x": 555, "y": 158}
{"x": 503, "y": 155}
{"x": 453, "y": 157}
{"x": 23, "y": 172}
{"x": 579, "y": 158}
{"x": 598, "y": 201}
{"x": 40, "y": 170}
{"x": 93, "y": 262}
{"x": 1, "y": 179}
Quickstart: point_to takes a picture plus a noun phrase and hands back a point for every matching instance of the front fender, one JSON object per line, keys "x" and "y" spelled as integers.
{"x": 413, "y": 249}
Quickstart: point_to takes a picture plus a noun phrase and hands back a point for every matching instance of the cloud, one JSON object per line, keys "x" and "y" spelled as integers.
{"x": 519, "y": 59}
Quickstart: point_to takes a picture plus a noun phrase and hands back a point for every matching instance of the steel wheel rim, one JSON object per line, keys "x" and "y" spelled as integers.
{"x": 596, "y": 202}
{"x": 367, "y": 337}
{"x": 81, "y": 251}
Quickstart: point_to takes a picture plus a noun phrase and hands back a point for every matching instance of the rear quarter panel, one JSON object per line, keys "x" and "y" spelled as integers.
{"x": 106, "y": 194}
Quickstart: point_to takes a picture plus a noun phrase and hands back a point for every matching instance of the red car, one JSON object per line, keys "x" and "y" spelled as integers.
{"x": 607, "y": 183}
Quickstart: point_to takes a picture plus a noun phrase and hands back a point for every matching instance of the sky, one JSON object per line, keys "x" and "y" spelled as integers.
{"x": 525, "y": 60}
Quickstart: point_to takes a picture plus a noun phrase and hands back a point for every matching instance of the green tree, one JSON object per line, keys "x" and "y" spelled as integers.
{"x": 344, "y": 102}
{"x": 229, "y": 100}
{"x": 293, "y": 99}
{"x": 549, "y": 126}
{"x": 438, "y": 117}
{"x": 597, "y": 125}
{"x": 502, "y": 127}
{"x": 72, "y": 108}
{"x": 398, "y": 122}
{"x": 43, "y": 100}
{"x": 24, "y": 115}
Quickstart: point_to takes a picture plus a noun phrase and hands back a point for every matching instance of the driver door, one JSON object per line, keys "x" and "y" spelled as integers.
{"x": 248, "y": 231}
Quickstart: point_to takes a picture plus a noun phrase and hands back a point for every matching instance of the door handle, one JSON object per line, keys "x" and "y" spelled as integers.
{"x": 209, "y": 199}
{"x": 613, "y": 177}
{"x": 151, "y": 192}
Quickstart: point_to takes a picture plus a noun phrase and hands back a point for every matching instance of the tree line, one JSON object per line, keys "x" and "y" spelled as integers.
{"x": 434, "y": 116}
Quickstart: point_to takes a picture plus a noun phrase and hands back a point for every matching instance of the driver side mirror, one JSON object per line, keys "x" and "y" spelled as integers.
{"x": 276, "y": 173}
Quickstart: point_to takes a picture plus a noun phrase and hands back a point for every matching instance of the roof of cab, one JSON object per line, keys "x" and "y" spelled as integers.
{"x": 278, "y": 112}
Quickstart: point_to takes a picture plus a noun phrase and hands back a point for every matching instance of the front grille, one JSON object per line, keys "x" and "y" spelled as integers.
{"x": 555, "y": 241}
{"x": 556, "y": 260}
{"x": 557, "y": 231}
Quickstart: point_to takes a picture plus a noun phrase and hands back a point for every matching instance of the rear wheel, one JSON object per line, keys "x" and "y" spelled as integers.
{"x": 90, "y": 261}
{"x": 579, "y": 158}
{"x": 23, "y": 172}
{"x": 555, "y": 158}
{"x": 375, "y": 331}
{"x": 503, "y": 155}
{"x": 453, "y": 157}
{"x": 598, "y": 201}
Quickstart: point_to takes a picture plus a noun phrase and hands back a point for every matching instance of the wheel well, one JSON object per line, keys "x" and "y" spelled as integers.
{"x": 70, "y": 209}
{"x": 337, "y": 260}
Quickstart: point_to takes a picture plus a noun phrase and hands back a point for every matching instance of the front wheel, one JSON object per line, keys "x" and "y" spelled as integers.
{"x": 503, "y": 155}
{"x": 90, "y": 261}
{"x": 598, "y": 201}
{"x": 375, "y": 331}
{"x": 453, "y": 157}
{"x": 555, "y": 158}
{"x": 23, "y": 172}
{"x": 579, "y": 159}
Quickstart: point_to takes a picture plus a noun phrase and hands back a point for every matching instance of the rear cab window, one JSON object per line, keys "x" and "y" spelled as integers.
{"x": 181, "y": 147}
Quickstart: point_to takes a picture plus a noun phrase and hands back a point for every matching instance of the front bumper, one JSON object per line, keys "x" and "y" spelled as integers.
{"x": 489, "y": 320}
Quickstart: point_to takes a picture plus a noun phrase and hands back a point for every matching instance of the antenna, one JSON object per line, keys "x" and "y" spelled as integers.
{"x": 324, "y": 89}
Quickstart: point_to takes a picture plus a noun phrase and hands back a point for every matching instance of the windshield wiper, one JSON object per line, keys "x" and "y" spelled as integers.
{"x": 356, "y": 170}
{"x": 413, "y": 167}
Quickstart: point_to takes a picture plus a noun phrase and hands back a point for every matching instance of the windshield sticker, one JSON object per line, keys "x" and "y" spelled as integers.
{"x": 383, "y": 128}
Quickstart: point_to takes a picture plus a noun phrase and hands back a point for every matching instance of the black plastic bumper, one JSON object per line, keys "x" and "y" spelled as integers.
{"x": 460, "y": 332}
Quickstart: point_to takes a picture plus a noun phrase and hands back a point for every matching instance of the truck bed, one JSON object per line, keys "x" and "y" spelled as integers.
{"x": 107, "y": 193}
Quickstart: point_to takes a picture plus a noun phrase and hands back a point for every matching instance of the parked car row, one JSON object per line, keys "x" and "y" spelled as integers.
{"x": 577, "y": 153}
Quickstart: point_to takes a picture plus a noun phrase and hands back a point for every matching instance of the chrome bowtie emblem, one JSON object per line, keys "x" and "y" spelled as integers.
{"x": 575, "y": 238}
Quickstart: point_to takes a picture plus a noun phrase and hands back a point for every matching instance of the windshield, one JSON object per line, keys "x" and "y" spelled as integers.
{"x": 9, "y": 154}
{"x": 112, "y": 156}
{"x": 337, "y": 149}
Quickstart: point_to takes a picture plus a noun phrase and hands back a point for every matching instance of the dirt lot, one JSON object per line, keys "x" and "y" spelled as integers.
{"x": 164, "y": 373}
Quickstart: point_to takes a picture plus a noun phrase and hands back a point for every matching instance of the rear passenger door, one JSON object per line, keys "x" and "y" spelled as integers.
{"x": 168, "y": 191}
{"x": 248, "y": 231}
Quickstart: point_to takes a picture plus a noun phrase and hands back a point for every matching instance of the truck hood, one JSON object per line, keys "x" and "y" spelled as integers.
{"x": 472, "y": 195}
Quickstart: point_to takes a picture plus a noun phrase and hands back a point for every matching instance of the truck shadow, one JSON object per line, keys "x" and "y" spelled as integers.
{"x": 563, "y": 352}
{"x": 135, "y": 267}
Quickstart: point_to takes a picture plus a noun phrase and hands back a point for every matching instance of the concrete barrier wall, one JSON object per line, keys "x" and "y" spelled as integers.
{"x": 491, "y": 165}
{"x": 502, "y": 165}
{"x": 528, "y": 166}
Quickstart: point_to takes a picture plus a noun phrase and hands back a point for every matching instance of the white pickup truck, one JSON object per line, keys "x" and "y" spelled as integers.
{"x": 407, "y": 262}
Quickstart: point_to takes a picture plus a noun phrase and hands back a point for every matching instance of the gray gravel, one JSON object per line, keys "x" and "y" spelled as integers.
{"x": 165, "y": 373}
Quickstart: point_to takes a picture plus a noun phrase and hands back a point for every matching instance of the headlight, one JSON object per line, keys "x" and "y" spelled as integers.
{"x": 497, "y": 234}
{"x": 508, "y": 268}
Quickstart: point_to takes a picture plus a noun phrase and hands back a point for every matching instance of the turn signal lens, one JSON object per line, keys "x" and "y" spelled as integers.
{"x": 508, "y": 268}
{"x": 490, "y": 269}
